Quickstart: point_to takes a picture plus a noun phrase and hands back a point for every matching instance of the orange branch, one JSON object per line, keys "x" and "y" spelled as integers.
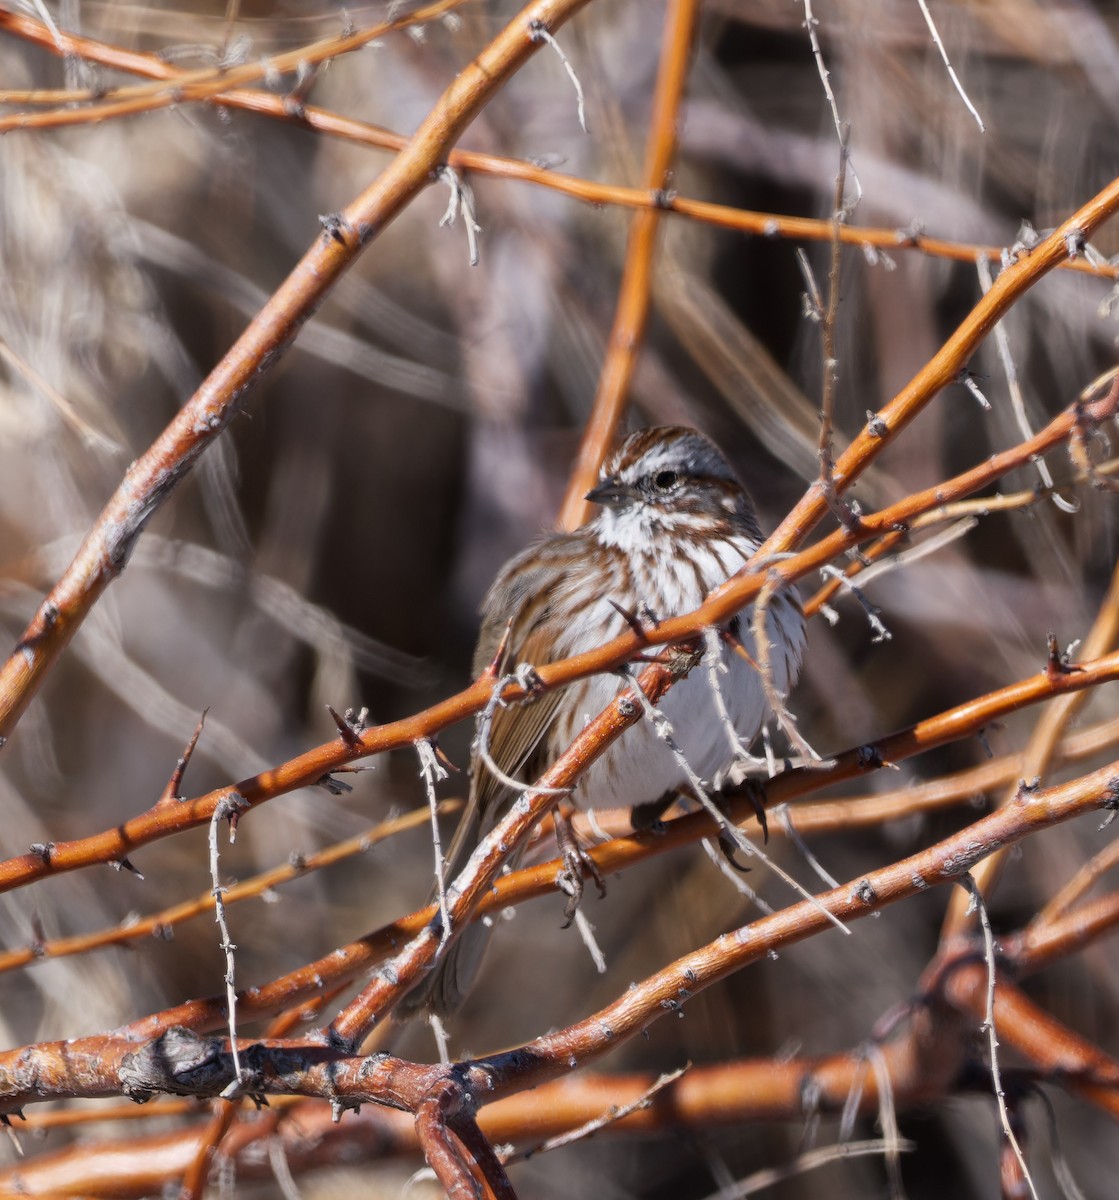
{"x": 1037, "y": 759}
{"x": 635, "y": 295}
{"x": 952, "y": 357}
{"x": 152, "y": 478}
{"x": 309, "y": 768}
{"x": 760, "y": 224}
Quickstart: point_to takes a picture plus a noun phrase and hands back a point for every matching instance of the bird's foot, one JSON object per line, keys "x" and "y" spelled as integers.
{"x": 577, "y": 865}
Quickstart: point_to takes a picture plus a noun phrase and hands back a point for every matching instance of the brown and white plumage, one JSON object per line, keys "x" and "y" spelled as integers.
{"x": 675, "y": 523}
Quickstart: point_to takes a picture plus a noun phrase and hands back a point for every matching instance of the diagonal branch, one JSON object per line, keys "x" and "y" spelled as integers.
{"x": 635, "y": 293}
{"x": 154, "y": 476}
{"x": 311, "y": 766}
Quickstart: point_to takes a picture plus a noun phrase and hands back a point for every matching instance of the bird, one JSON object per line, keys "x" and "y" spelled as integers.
{"x": 673, "y": 522}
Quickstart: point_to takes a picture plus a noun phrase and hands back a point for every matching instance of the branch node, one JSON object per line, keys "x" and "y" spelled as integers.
{"x": 876, "y": 425}
{"x": 1057, "y": 662}
{"x": 337, "y": 227}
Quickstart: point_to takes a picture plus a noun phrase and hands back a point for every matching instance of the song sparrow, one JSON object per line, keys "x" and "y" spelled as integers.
{"x": 675, "y": 523}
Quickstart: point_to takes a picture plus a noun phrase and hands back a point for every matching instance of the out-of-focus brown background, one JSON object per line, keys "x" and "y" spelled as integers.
{"x": 332, "y": 548}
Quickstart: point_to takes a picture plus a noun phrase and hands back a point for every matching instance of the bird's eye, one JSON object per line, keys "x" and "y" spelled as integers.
{"x": 665, "y": 480}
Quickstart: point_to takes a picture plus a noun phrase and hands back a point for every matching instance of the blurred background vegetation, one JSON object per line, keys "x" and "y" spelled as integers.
{"x": 333, "y": 547}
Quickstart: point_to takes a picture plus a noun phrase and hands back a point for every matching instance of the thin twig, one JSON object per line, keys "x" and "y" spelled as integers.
{"x": 811, "y": 24}
{"x": 482, "y": 736}
{"x": 785, "y": 816}
{"x": 589, "y": 1128}
{"x": 951, "y": 70}
{"x": 736, "y": 878}
{"x": 763, "y": 646}
{"x": 715, "y": 664}
{"x": 1014, "y": 386}
{"x": 432, "y": 772}
{"x": 873, "y": 614}
{"x": 810, "y": 1160}
{"x": 228, "y": 810}
{"x": 586, "y": 935}
{"x": 664, "y": 731}
{"x": 887, "y": 1120}
{"x": 830, "y": 364}
{"x": 541, "y": 34}
{"x": 976, "y": 894}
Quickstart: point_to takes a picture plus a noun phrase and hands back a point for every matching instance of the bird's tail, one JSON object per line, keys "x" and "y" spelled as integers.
{"x": 452, "y": 977}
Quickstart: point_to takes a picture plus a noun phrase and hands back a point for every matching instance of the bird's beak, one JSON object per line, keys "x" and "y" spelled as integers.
{"x": 612, "y": 493}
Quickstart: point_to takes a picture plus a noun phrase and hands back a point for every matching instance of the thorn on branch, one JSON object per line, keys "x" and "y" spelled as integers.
{"x": 981, "y": 738}
{"x": 730, "y": 636}
{"x": 1057, "y": 661}
{"x": 170, "y": 793}
{"x": 495, "y": 665}
{"x": 126, "y": 864}
{"x": 351, "y": 726}
{"x": 442, "y": 758}
{"x": 633, "y": 620}
{"x": 337, "y": 227}
{"x": 37, "y": 945}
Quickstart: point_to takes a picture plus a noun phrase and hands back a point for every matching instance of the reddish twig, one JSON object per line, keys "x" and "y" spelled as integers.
{"x": 308, "y": 768}
{"x": 184, "y": 86}
{"x": 180, "y": 1062}
{"x": 760, "y": 224}
{"x": 944, "y": 367}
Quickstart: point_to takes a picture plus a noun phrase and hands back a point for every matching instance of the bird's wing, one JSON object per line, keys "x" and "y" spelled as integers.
{"x": 516, "y": 731}
{"x": 518, "y": 604}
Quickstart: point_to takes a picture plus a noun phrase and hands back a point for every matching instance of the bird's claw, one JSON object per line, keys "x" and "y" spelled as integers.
{"x": 577, "y": 865}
